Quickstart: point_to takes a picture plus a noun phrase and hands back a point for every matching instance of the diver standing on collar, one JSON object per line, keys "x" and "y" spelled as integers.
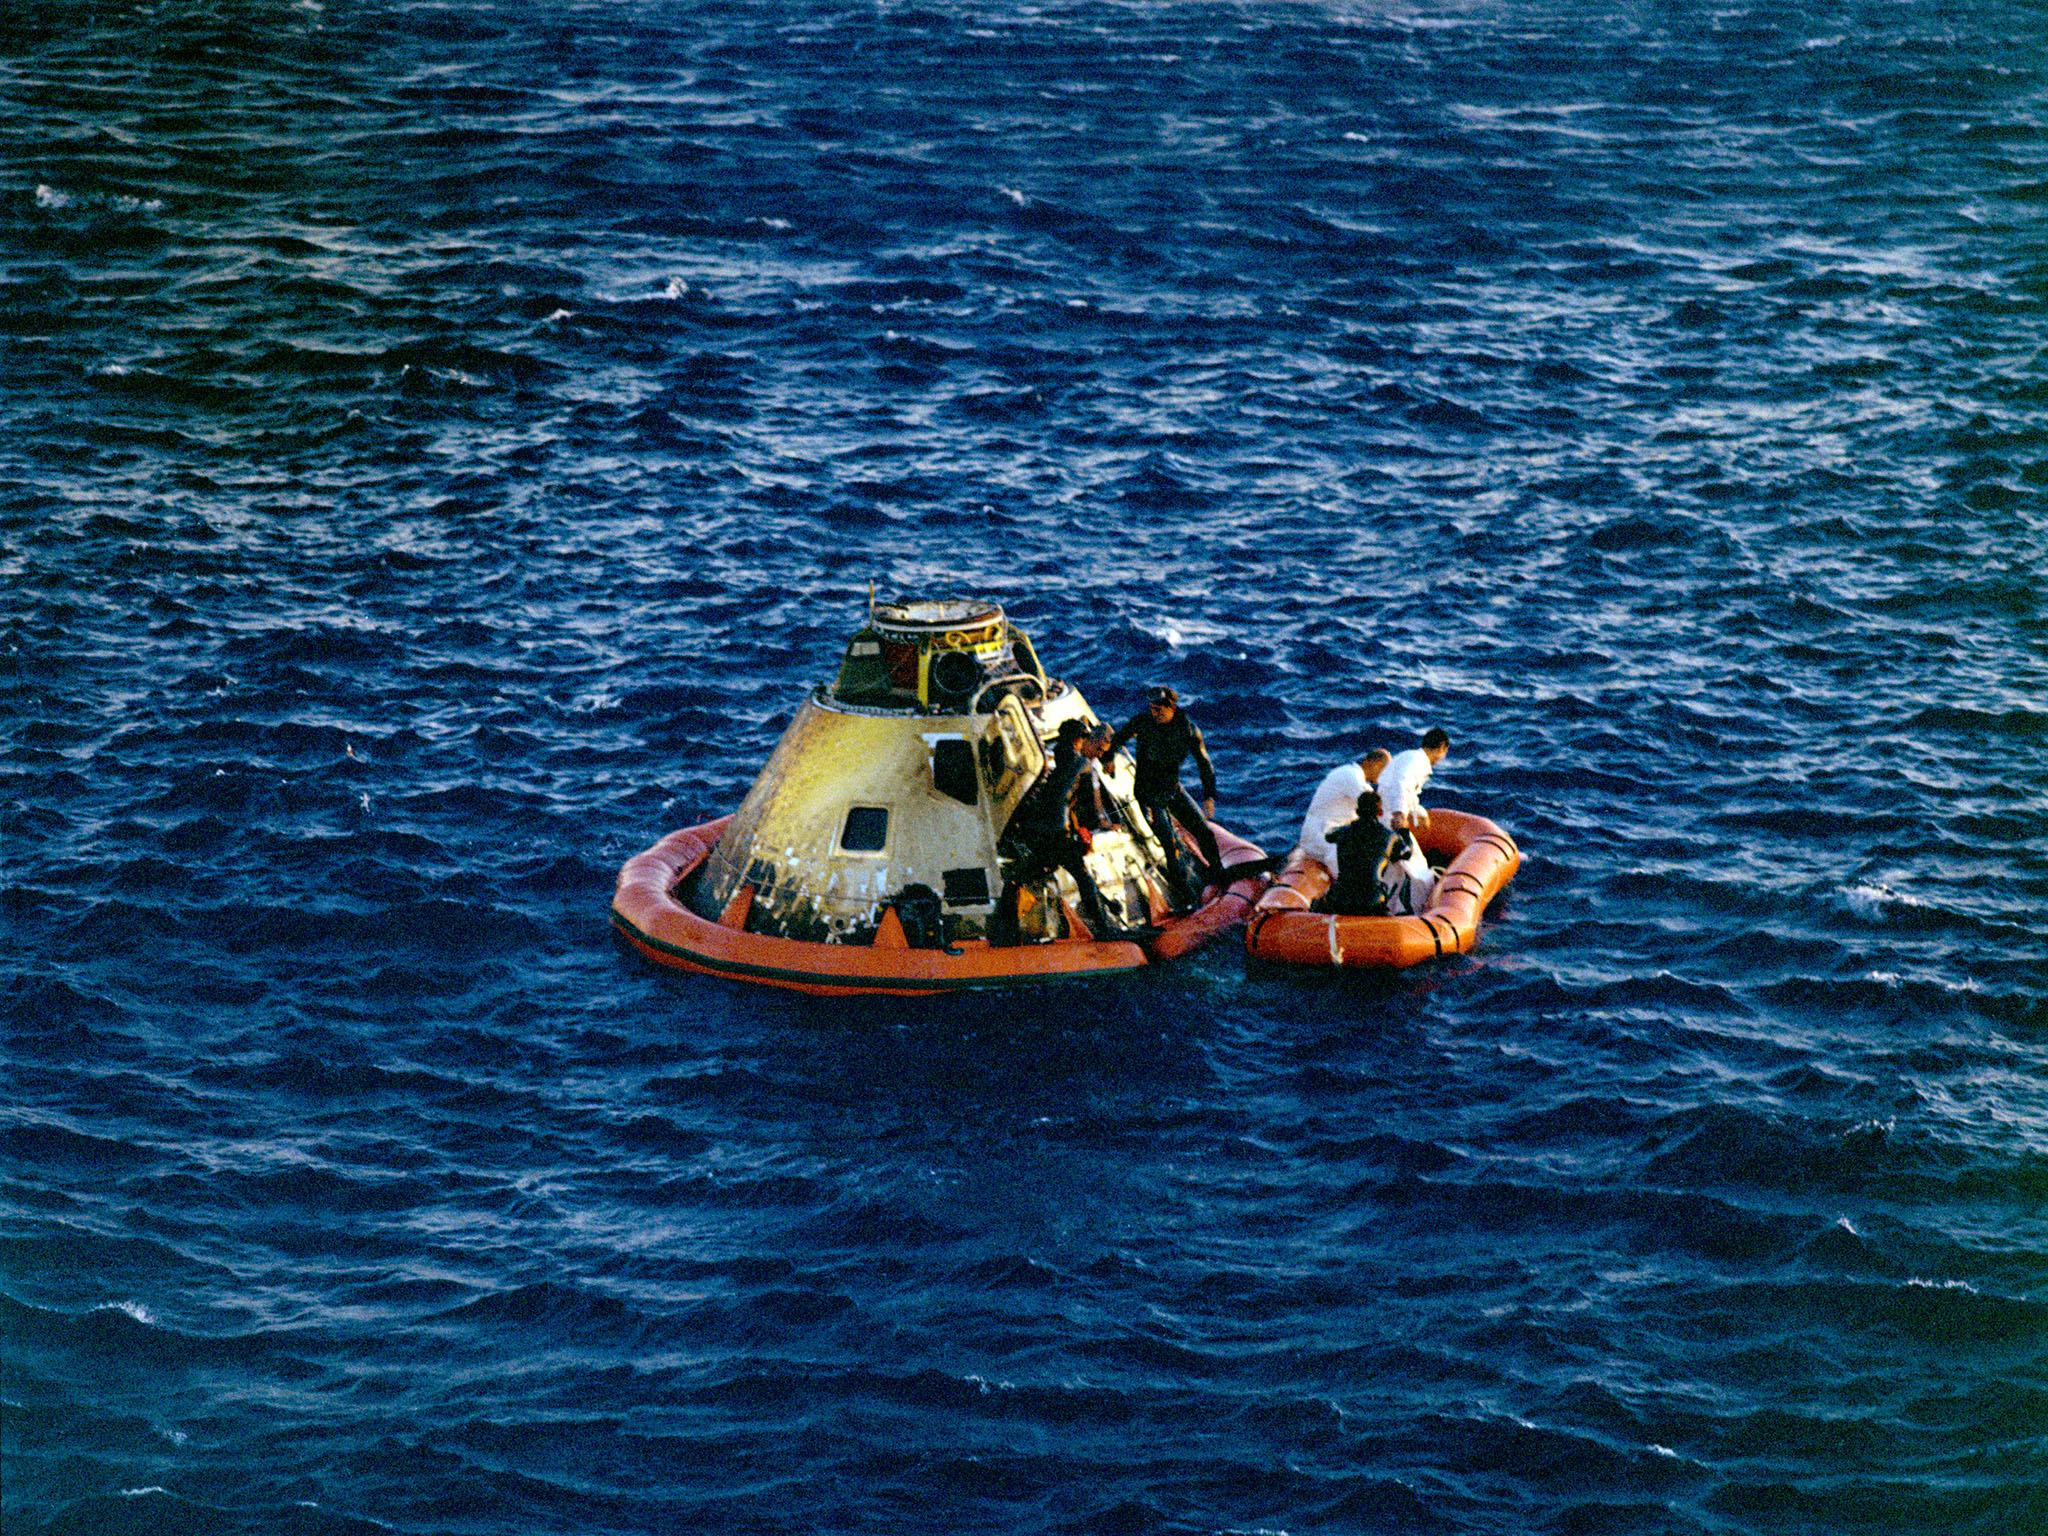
{"x": 1165, "y": 737}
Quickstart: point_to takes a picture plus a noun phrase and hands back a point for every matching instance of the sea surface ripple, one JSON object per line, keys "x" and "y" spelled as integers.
{"x": 439, "y": 443}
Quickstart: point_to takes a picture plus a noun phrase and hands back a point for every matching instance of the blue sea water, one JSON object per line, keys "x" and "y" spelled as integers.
{"x": 439, "y": 444}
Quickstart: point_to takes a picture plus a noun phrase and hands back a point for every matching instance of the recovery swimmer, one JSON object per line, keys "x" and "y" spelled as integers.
{"x": 1041, "y": 837}
{"x": 1165, "y": 737}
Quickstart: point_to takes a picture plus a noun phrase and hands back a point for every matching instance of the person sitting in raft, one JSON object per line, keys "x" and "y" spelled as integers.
{"x": 1336, "y": 802}
{"x": 1165, "y": 738}
{"x": 1044, "y": 841}
{"x": 1410, "y": 881}
{"x": 1361, "y": 846}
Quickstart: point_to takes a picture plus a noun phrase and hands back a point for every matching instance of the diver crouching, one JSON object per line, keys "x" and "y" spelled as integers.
{"x": 1041, "y": 838}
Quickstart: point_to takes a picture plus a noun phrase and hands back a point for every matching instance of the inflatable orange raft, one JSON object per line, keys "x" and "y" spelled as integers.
{"x": 650, "y": 916}
{"x": 1480, "y": 859}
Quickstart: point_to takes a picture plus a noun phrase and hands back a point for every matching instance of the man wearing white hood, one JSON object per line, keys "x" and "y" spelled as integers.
{"x": 1335, "y": 803}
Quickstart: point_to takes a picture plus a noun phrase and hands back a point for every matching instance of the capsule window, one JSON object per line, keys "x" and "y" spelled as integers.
{"x": 953, "y": 769}
{"x": 866, "y": 830}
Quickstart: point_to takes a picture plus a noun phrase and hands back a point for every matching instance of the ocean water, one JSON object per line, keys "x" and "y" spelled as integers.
{"x": 440, "y": 443}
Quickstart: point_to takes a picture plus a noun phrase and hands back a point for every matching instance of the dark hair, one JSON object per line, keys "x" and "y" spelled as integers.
{"x": 1072, "y": 730}
{"x": 1369, "y": 803}
{"x": 1161, "y": 694}
{"x": 1437, "y": 737}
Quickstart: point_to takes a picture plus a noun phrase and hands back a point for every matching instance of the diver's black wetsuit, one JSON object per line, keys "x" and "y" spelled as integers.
{"x": 1044, "y": 842}
{"x": 1162, "y": 748}
{"x": 1362, "y": 848}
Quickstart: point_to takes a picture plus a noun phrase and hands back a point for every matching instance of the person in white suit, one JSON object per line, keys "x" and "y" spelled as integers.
{"x": 1409, "y": 880}
{"x": 1335, "y": 803}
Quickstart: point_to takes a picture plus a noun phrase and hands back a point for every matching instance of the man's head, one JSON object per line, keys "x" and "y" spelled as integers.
{"x": 1162, "y": 701}
{"x": 1374, "y": 763}
{"x": 1096, "y": 742}
{"x": 1437, "y": 743}
{"x": 1369, "y": 805}
{"x": 1073, "y": 732}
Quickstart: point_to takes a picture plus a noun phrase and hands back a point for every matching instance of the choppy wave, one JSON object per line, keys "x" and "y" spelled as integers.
{"x": 442, "y": 445}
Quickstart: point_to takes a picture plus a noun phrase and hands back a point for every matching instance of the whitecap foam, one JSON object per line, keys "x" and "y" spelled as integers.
{"x": 136, "y": 1493}
{"x": 457, "y": 376}
{"x": 134, "y": 1309}
{"x": 1942, "y": 1285}
{"x": 676, "y": 288}
{"x": 1967, "y": 985}
{"x": 51, "y": 197}
{"x": 1014, "y": 196}
{"x": 1871, "y": 899}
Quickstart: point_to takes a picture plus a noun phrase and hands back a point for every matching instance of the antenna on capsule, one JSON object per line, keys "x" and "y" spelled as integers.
{"x": 871, "y": 600}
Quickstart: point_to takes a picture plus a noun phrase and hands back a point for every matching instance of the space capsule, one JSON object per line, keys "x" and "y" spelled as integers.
{"x": 874, "y": 851}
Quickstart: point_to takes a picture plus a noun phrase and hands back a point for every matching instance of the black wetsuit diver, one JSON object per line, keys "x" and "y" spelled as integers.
{"x": 1162, "y": 746}
{"x": 1044, "y": 840}
{"x": 1362, "y": 849}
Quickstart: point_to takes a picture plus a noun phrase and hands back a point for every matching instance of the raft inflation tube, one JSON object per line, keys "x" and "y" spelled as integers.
{"x": 1479, "y": 860}
{"x": 870, "y": 854}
